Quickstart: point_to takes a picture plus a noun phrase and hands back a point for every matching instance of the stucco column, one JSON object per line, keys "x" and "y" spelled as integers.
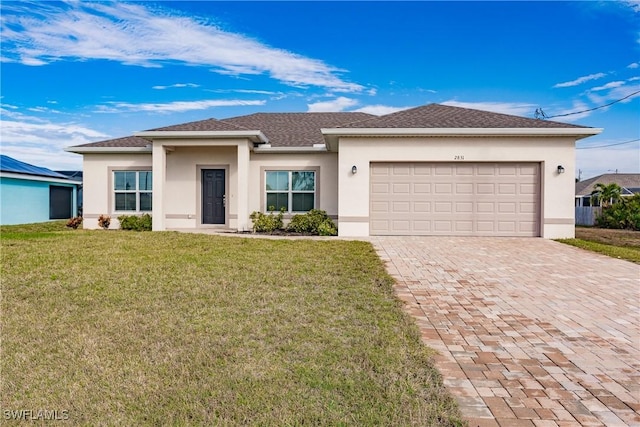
{"x": 243, "y": 185}
{"x": 159, "y": 176}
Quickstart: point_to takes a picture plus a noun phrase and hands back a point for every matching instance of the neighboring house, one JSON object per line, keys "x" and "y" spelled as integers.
{"x": 34, "y": 194}
{"x": 628, "y": 182}
{"x": 430, "y": 170}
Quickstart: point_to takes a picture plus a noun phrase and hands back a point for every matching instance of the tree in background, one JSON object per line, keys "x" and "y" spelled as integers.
{"x": 606, "y": 194}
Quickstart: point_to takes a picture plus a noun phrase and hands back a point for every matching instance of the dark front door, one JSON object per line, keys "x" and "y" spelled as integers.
{"x": 60, "y": 202}
{"x": 213, "y": 196}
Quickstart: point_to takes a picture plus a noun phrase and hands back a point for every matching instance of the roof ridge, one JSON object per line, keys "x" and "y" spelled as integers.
{"x": 211, "y": 119}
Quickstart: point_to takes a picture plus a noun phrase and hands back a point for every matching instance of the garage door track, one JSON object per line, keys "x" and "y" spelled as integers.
{"x": 530, "y": 332}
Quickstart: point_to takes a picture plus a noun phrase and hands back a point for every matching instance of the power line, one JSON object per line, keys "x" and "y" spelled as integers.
{"x": 540, "y": 114}
{"x": 608, "y": 145}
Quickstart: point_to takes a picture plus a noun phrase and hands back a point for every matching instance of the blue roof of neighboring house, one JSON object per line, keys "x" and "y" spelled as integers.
{"x": 9, "y": 164}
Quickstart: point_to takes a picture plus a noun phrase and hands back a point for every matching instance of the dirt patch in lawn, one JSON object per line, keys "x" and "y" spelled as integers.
{"x": 622, "y": 238}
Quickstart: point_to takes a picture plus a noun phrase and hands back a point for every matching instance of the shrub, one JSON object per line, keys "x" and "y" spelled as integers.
{"x": 74, "y": 222}
{"x": 267, "y": 223}
{"x": 104, "y": 221}
{"x": 624, "y": 214}
{"x": 315, "y": 221}
{"x": 134, "y": 222}
{"x": 327, "y": 228}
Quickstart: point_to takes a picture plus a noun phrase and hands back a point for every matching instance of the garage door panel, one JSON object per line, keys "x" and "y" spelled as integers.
{"x": 485, "y": 189}
{"x": 527, "y": 208}
{"x": 421, "y": 207}
{"x": 464, "y": 188}
{"x": 401, "y": 207}
{"x": 450, "y": 198}
{"x": 382, "y": 189}
{"x": 508, "y": 171}
{"x": 507, "y": 189}
{"x": 380, "y": 207}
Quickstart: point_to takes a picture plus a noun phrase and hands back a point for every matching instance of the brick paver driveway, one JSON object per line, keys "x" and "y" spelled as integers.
{"x": 530, "y": 332}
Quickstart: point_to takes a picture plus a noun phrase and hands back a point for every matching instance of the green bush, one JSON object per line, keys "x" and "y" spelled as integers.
{"x": 315, "y": 222}
{"x": 624, "y": 214}
{"x": 267, "y": 223}
{"x": 134, "y": 222}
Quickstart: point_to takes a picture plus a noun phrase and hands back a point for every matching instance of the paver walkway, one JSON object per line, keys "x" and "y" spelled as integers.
{"x": 530, "y": 332}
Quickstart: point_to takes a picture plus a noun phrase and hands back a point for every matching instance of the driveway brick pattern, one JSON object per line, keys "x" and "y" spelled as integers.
{"x": 530, "y": 332}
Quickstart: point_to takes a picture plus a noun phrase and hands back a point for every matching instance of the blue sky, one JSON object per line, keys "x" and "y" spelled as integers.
{"x": 78, "y": 72}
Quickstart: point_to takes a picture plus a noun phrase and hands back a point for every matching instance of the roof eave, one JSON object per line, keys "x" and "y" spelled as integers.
{"x": 34, "y": 177}
{"x": 255, "y": 136}
{"x": 281, "y": 150}
{"x": 109, "y": 150}
{"x": 332, "y": 134}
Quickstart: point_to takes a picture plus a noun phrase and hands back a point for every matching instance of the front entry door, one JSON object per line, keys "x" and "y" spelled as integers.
{"x": 213, "y": 196}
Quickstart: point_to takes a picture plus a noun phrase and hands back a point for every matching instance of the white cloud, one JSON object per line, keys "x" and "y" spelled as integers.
{"x": 580, "y": 80}
{"x": 633, "y": 4}
{"x": 633, "y": 65}
{"x": 577, "y": 105}
{"x": 177, "y": 85}
{"x": 252, "y": 91}
{"x": 338, "y": 104}
{"x": 173, "y": 107}
{"x": 41, "y": 143}
{"x": 513, "y": 108}
{"x": 380, "y": 110}
{"x": 609, "y": 85}
{"x": 43, "y": 110}
{"x": 616, "y": 93}
{"x": 134, "y": 34}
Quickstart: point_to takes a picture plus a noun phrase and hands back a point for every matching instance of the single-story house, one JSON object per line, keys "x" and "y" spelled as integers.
{"x": 628, "y": 182}
{"x": 31, "y": 193}
{"x": 429, "y": 170}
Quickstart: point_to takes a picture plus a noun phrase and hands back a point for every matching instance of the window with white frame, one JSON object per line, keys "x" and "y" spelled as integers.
{"x": 132, "y": 191}
{"x": 295, "y": 191}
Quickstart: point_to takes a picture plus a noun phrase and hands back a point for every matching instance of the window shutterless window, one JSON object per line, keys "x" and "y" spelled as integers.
{"x": 295, "y": 191}
{"x": 132, "y": 190}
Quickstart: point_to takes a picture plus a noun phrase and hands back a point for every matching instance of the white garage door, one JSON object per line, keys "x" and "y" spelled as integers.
{"x": 483, "y": 199}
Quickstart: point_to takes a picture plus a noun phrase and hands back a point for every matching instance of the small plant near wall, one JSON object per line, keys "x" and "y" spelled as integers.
{"x": 104, "y": 221}
{"x": 315, "y": 222}
{"x": 74, "y": 222}
{"x": 134, "y": 222}
{"x": 267, "y": 223}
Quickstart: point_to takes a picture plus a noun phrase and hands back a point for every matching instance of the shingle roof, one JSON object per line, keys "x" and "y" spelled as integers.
{"x": 445, "y": 116}
{"x": 304, "y": 129}
{"x": 624, "y": 180}
{"x": 203, "y": 125}
{"x": 127, "y": 141}
{"x": 295, "y": 129}
{"x": 9, "y": 164}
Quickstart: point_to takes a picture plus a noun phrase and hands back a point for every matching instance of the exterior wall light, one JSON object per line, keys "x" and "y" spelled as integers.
{"x": 354, "y": 169}
{"x": 560, "y": 169}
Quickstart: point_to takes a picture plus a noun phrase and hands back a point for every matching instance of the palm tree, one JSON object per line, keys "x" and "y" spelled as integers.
{"x": 606, "y": 194}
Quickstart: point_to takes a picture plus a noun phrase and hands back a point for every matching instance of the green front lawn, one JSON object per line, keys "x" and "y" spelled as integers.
{"x": 129, "y": 328}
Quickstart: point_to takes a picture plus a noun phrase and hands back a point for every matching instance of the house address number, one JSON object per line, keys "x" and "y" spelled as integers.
{"x": 458, "y": 157}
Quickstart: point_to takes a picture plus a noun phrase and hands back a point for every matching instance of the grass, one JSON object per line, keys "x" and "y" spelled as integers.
{"x": 622, "y": 244}
{"x": 127, "y": 328}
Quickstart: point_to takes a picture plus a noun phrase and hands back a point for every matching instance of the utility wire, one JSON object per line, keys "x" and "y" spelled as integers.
{"x": 608, "y": 145}
{"x": 540, "y": 113}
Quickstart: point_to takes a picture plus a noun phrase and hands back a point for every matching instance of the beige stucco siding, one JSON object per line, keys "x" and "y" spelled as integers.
{"x": 324, "y": 163}
{"x": 556, "y": 204}
{"x": 97, "y": 183}
{"x": 182, "y": 187}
